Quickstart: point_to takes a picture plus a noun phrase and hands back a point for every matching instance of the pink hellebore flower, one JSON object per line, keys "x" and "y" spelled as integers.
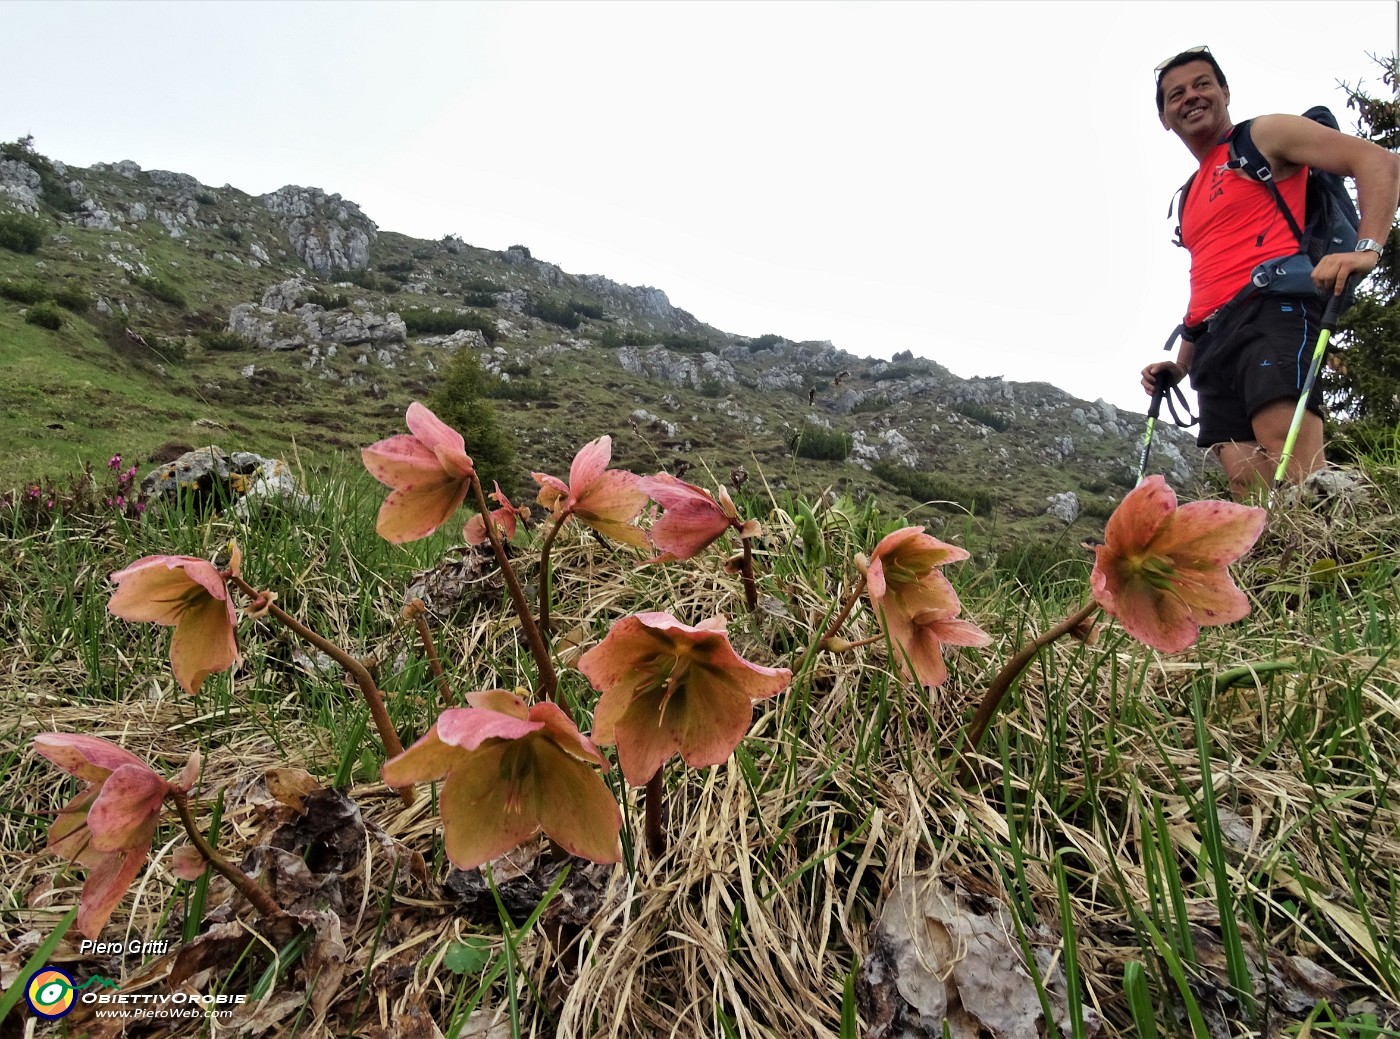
{"x": 605, "y": 499}
{"x": 670, "y": 687}
{"x": 191, "y": 596}
{"x": 108, "y": 827}
{"x": 692, "y": 521}
{"x": 429, "y": 471}
{"x": 505, "y": 519}
{"x": 511, "y": 771}
{"x": 916, "y": 605}
{"x": 1161, "y": 569}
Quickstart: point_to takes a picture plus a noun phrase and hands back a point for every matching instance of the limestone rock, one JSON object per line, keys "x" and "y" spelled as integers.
{"x": 210, "y": 475}
{"x": 327, "y": 232}
{"x": 20, "y": 185}
{"x": 1064, "y": 506}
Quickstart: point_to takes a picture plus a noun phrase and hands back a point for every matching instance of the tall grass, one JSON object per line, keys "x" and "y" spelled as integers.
{"x": 1202, "y": 844}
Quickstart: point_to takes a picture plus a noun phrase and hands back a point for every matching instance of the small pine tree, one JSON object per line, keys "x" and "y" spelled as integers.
{"x": 461, "y": 400}
{"x": 1363, "y": 384}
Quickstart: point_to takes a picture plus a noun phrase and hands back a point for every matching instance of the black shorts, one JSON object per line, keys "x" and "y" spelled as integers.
{"x": 1263, "y": 357}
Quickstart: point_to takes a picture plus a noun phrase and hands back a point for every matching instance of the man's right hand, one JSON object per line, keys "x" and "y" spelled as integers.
{"x": 1149, "y": 375}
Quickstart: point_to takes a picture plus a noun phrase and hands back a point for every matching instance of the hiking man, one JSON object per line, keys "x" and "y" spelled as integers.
{"x": 1248, "y": 371}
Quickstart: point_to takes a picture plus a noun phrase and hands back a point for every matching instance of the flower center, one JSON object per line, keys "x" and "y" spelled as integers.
{"x": 1157, "y": 571}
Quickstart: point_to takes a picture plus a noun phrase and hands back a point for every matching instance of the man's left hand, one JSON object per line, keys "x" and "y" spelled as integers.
{"x": 1332, "y": 271}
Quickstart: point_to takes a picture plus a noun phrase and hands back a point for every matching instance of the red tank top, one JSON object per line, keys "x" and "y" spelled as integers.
{"x": 1231, "y": 224}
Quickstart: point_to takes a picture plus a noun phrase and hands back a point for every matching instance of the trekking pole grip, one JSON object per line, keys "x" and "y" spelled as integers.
{"x": 1161, "y": 384}
{"x": 1337, "y": 304}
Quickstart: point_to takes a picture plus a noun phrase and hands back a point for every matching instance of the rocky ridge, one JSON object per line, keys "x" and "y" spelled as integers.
{"x": 317, "y": 294}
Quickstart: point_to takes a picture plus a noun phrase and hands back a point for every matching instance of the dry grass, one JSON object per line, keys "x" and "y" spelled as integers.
{"x": 779, "y": 861}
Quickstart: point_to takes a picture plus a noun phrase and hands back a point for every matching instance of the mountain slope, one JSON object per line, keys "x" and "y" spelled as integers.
{"x": 199, "y": 315}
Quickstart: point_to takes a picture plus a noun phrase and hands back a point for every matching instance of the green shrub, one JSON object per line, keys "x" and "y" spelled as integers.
{"x": 331, "y": 301}
{"x": 903, "y": 370}
{"x": 160, "y": 289}
{"x": 822, "y": 444}
{"x": 479, "y": 299}
{"x": 588, "y": 310}
{"x": 20, "y": 233}
{"x": 764, "y": 342}
{"x": 461, "y": 400}
{"x": 397, "y": 267}
{"x": 24, "y": 291}
{"x": 365, "y": 280}
{"x": 555, "y": 313}
{"x": 687, "y": 344}
{"x": 870, "y": 404}
{"x": 481, "y": 285}
{"x": 1097, "y": 508}
{"x": 70, "y": 297}
{"x": 938, "y": 491}
{"x": 223, "y": 341}
{"x": 45, "y": 315}
{"x": 421, "y": 321}
{"x": 520, "y": 389}
{"x": 983, "y": 414}
{"x": 206, "y": 198}
{"x": 231, "y": 233}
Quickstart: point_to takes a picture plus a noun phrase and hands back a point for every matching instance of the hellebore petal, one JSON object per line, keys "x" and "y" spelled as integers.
{"x": 429, "y": 471}
{"x": 481, "y": 819}
{"x": 692, "y": 520}
{"x": 605, "y": 499}
{"x": 1162, "y": 569}
{"x": 123, "y": 817}
{"x": 88, "y": 757}
{"x": 108, "y": 826}
{"x": 190, "y": 595}
{"x": 440, "y": 438}
{"x": 668, "y": 687}
{"x": 187, "y": 863}
{"x": 107, "y": 881}
{"x": 916, "y": 605}
{"x": 504, "y": 518}
{"x": 511, "y": 771}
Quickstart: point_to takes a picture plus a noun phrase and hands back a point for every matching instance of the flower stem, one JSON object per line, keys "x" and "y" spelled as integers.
{"x": 548, "y": 680}
{"x": 831, "y": 629}
{"x": 393, "y": 747}
{"x": 544, "y": 568}
{"x": 245, "y": 884}
{"x": 1010, "y": 671}
{"x": 652, "y": 825}
{"x": 750, "y": 585}
{"x": 425, "y": 635}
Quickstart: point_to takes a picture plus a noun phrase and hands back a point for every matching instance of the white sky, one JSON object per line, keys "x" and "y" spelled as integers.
{"x": 983, "y": 183}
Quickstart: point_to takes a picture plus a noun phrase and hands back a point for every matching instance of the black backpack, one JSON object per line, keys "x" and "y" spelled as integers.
{"x": 1330, "y": 220}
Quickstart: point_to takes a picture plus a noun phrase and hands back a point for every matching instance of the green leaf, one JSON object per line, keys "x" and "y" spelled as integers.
{"x": 469, "y": 956}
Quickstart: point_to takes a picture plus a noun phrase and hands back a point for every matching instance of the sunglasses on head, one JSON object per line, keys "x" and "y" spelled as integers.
{"x": 1161, "y": 66}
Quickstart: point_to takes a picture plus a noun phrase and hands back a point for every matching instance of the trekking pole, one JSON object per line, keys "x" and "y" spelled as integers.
{"x": 1335, "y": 306}
{"x": 1159, "y": 390}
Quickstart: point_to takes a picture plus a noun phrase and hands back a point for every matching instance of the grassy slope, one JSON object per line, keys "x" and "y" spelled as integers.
{"x": 780, "y": 861}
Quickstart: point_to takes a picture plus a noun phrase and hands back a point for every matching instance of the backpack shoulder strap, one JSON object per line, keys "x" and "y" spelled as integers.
{"x": 1250, "y": 161}
{"x": 1178, "y": 203}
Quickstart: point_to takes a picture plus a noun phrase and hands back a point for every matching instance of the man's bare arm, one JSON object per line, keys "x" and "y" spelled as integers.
{"x": 1290, "y": 141}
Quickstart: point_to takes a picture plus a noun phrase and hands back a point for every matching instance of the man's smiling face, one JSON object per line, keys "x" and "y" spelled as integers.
{"x": 1194, "y": 104}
